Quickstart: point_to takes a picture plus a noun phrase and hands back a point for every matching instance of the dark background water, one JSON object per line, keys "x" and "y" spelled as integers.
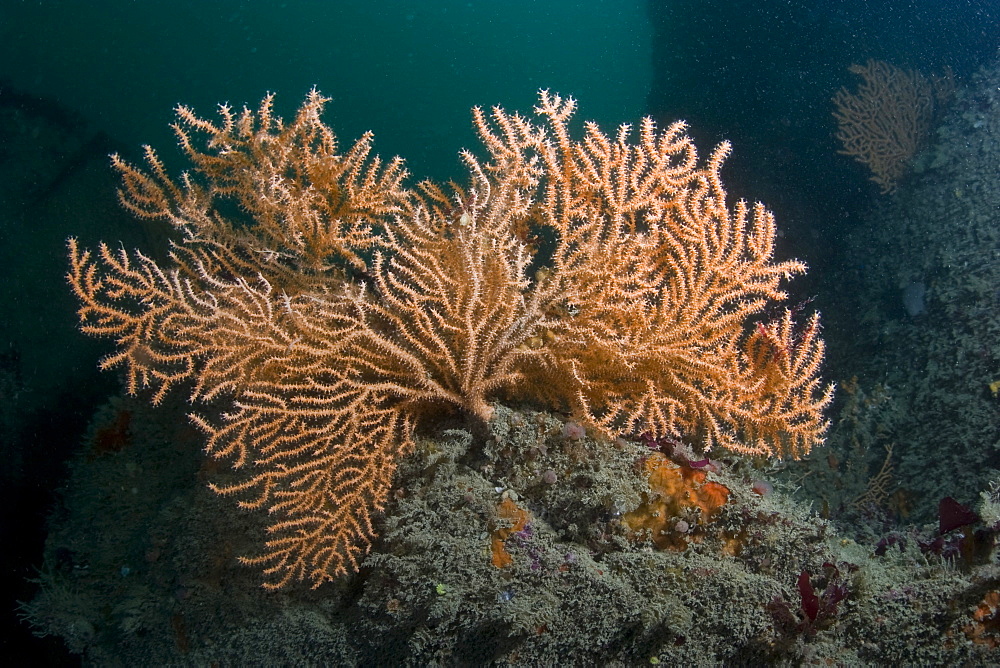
{"x": 760, "y": 74}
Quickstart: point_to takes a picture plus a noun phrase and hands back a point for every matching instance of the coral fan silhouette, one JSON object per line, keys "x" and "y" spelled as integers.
{"x": 888, "y": 120}
{"x": 329, "y": 308}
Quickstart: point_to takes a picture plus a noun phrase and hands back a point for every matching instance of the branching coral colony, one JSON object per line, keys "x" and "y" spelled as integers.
{"x": 332, "y": 308}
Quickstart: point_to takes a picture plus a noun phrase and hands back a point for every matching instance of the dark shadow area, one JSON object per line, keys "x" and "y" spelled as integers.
{"x": 53, "y": 173}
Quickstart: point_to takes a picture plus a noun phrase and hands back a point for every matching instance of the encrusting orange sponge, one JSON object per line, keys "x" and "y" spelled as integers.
{"x": 673, "y": 490}
{"x": 517, "y": 517}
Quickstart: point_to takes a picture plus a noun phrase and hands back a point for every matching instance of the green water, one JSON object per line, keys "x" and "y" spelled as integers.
{"x": 410, "y": 71}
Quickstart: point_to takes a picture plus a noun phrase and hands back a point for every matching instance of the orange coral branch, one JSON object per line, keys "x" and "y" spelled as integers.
{"x": 331, "y": 308}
